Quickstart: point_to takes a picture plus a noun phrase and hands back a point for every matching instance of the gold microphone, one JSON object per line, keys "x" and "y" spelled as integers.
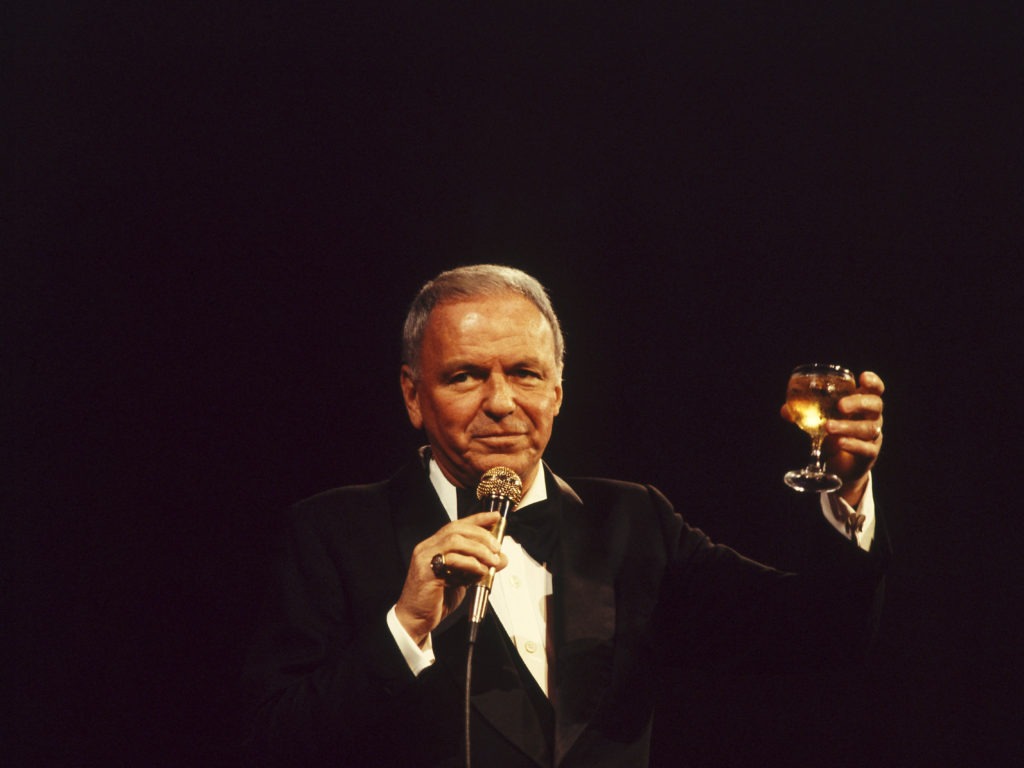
{"x": 501, "y": 488}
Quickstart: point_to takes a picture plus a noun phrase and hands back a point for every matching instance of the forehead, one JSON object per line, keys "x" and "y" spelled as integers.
{"x": 498, "y": 323}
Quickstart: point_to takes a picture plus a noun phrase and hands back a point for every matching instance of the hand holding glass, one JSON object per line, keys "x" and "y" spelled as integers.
{"x": 812, "y": 395}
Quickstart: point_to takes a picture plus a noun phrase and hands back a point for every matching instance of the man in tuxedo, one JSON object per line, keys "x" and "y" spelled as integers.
{"x": 360, "y": 656}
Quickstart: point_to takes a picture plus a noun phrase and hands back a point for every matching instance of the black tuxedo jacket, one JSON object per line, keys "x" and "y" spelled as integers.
{"x": 634, "y": 589}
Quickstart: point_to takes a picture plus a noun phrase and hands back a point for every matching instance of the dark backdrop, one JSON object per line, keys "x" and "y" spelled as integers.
{"x": 216, "y": 213}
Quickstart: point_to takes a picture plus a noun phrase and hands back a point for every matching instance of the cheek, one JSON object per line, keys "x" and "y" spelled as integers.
{"x": 454, "y": 412}
{"x": 556, "y": 404}
{"x": 544, "y": 410}
{"x": 553, "y": 402}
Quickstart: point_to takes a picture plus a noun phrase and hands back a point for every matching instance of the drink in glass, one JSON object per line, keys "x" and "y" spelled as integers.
{"x": 811, "y": 397}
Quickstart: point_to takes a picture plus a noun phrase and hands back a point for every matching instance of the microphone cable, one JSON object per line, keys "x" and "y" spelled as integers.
{"x": 466, "y": 732}
{"x": 502, "y": 488}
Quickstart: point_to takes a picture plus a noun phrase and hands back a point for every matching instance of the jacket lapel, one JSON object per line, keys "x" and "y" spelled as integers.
{"x": 498, "y": 693}
{"x": 583, "y": 626}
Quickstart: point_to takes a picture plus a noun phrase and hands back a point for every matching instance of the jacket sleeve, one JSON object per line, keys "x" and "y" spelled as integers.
{"x": 720, "y": 609}
{"x": 324, "y": 673}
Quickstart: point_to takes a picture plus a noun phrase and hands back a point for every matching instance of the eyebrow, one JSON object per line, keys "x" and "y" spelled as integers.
{"x": 461, "y": 363}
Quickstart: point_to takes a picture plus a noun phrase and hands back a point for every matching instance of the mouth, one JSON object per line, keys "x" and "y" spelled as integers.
{"x": 500, "y": 437}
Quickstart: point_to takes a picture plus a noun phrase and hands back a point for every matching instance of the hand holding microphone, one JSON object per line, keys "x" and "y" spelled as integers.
{"x": 462, "y": 553}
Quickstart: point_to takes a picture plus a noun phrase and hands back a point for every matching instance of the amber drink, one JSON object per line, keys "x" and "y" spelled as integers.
{"x": 812, "y": 396}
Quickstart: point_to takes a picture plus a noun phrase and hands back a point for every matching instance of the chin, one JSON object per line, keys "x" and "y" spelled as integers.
{"x": 518, "y": 464}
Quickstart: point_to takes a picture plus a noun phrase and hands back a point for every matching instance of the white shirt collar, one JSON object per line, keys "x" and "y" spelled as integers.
{"x": 446, "y": 491}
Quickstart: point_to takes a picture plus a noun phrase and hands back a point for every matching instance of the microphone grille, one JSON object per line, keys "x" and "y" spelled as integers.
{"x": 501, "y": 482}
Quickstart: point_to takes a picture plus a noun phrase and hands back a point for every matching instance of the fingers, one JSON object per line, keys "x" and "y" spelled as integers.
{"x": 857, "y": 431}
{"x": 862, "y": 447}
{"x": 468, "y": 547}
{"x": 469, "y": 551}
{"x": 863, "y": 415}
{"x": 872, "y": 382}
{"x": 467, "y": 564}
{"x": 862, "y": 436}
{"x": 866, "y": 402}
{"x": 861, "y": 406}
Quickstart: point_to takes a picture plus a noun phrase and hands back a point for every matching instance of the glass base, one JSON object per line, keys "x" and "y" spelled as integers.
{"x": 810, "y": 479}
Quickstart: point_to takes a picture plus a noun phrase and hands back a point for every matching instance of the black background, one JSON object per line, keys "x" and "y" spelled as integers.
{"x": 215, "y": 215}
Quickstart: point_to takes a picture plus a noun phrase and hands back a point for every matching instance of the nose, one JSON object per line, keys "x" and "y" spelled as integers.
{"x": 499, "y": 401}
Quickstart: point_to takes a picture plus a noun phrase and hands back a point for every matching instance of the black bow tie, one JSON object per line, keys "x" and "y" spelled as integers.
{"x": 534, "y": 526}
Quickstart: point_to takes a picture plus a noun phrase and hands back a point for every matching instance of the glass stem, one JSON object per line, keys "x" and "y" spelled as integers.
{"x": 816, "y": 461}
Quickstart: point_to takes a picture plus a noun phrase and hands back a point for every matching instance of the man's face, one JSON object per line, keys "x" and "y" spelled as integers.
{"x": 489, "y": 387}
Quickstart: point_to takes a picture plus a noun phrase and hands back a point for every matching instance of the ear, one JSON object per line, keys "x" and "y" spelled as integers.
{"x": 410, "y": 393}
{"x": 558, "y": 398}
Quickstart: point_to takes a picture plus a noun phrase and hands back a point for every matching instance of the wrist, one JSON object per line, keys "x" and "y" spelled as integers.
{"x": 852, "y": 493}
{"x": 414, "y": 628}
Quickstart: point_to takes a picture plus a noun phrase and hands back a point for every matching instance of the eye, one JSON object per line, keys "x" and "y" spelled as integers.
{"x": 464, "y": 377}
{"x": 526, "y": 373}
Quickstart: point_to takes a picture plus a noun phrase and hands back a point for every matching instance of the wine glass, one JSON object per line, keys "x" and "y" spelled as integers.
{"x": 811, "y": 397}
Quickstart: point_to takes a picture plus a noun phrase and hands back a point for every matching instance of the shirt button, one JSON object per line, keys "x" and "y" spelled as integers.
{"x": 531, "y": 647}
{"x": 516, "y": 582}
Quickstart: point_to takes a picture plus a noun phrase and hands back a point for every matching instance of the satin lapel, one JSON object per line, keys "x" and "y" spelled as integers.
{"x": 584, "y": 617}
{"x": 498, "y": 693}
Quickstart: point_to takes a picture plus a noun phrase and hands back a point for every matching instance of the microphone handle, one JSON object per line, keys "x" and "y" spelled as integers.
{"x": 483, "y": 588}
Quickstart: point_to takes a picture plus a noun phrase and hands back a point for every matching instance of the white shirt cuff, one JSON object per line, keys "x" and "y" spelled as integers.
{"x": 416, "y": 657}
{"x": 836, "y": 511}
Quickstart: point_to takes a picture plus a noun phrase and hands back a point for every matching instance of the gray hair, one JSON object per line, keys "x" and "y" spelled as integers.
{"x": 469, "y": 282}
